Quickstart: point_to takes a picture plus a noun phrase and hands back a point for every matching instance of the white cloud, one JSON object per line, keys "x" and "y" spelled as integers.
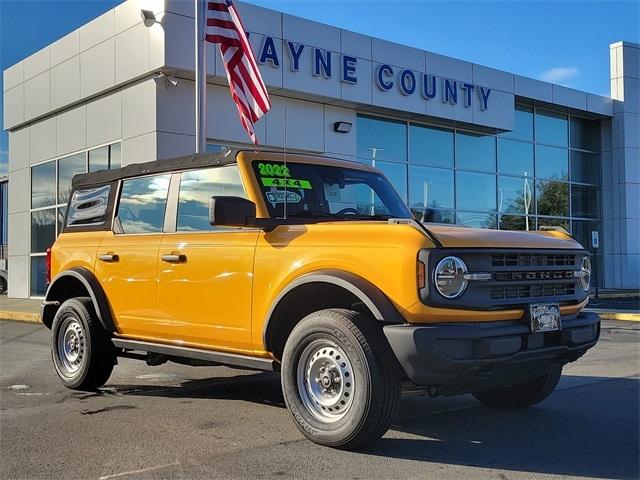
{"x": 559, "y": 75}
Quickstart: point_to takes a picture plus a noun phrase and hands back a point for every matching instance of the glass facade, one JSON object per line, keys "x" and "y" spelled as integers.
{"x": 546, "y": 172}
{"x": 50, "y": 189}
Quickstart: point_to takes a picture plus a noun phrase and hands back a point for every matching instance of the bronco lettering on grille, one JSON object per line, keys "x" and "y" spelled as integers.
{"x": 524, "y": 276}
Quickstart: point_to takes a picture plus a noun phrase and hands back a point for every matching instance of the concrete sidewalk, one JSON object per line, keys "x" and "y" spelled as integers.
{"x": 626, "y": 308}
{"x": 20, "y": 309}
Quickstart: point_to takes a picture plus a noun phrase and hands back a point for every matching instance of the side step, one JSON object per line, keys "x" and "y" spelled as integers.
{"x": 228, "y": 359}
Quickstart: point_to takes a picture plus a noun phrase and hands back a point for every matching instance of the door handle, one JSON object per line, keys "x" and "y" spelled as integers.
{"x": 108, "y": 257}
{"x": 174, "y": 258}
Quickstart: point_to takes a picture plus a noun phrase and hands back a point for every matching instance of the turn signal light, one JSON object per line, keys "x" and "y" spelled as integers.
{"x": 421, "y": 276}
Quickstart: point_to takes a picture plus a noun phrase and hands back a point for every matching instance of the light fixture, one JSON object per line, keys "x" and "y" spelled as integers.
{"x": 148, "y": 18}
{"x": 342, "y": 127}
{"x": 169, "y": 81}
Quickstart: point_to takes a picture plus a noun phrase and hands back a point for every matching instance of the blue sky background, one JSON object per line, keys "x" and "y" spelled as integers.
{"x": 565, "y": 41}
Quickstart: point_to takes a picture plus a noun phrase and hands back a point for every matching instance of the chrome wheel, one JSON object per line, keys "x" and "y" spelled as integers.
{"x": 71, "y": 345}
{"x": 325, "y": 381}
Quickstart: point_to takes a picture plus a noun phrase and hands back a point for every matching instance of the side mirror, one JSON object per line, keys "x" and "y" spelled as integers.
{"x": 231, "y": 212}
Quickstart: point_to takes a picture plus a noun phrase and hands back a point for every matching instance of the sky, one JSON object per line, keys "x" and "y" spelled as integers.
{"x": 563, "y": 41}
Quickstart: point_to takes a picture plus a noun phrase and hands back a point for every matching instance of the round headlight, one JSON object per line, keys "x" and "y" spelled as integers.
{"x": 585, "y": 273}
{"x": 449, "y": 277}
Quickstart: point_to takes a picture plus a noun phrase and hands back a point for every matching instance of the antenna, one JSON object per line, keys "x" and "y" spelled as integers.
{"x": 284, "y": 151}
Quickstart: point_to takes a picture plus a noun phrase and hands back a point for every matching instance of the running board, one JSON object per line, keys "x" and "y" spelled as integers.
{"x": 227, "y": 359}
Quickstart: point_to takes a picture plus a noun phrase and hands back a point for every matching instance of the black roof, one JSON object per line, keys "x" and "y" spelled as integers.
{"x": 157, "y": 166}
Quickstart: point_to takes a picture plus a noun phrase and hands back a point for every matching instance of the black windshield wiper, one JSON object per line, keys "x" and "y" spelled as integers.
{"x": 310, "y": 214}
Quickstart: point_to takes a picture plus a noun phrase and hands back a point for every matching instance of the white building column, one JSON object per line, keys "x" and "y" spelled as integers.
{"x": 625, "y": 159}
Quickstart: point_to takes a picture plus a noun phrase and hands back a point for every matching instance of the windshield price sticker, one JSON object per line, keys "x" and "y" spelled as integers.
{"x": 286, "y": 182}
{"x": 271, "y": 170}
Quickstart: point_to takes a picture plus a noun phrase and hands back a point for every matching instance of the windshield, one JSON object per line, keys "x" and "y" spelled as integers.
{"x": 321, "y": 191}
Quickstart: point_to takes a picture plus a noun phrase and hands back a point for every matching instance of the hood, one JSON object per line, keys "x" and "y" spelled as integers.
{"x": 465, "y": 237}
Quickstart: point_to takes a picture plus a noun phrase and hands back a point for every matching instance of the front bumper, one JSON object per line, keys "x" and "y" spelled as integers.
{"x": 468, "y": 357}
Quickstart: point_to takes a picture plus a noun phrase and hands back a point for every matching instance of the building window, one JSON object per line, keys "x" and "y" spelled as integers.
{"x": 552, "y": 198}
{"x": 515, "y": 195}
{"x": 585, "y": 134}
{"x": 552, "y": 163}
{"x": 522, "y": 124}
{"x": 38, "y": 276}
{"x": 551, "y": 128}
{"x": 585, "y": 167}
{"x": 430, "y": 146}
{"x": 475, "y": 191}
{"x": 67, "y": 168}
{"x": 105, "y": 158}
{"x": 43, "y": 185}
{"x": 381, "y": 139}
{"x": 430, "y": 188}
{"x": 476, "y": 152}
{"x": 548, "y": 166}
{"x": 514, "y": 157}
{"x": 50, "y": 189}
{"x": 397, "y": 174}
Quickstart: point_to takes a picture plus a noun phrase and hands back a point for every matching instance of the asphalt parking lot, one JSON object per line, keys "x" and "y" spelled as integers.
{"x": 172, "y": 421}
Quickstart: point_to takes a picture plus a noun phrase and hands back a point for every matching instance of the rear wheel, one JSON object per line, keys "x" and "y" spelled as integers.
{"x": 340, "y": 379}
{"x": 3, "y": 286}
{"x": 82, "y": 353}
{"x": 521, "y": 395}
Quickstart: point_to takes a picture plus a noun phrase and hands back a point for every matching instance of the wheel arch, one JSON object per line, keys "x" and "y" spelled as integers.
{"x": 77, "y": 282}
{"x": 317, "y": 291}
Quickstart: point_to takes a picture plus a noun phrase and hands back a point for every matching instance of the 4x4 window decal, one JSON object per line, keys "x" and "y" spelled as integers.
{"x": 286, "y": 182}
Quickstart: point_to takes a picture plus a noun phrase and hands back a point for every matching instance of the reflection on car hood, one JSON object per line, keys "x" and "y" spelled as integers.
{"x": 464, "y": 237}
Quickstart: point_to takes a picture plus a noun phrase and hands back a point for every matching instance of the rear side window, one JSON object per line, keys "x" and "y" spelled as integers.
{"x": 142, "y": 204}
{"x": 197, "y": 187}
{"x": 88, "y": 207}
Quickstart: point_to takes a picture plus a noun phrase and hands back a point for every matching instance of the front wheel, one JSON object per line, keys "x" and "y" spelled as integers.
{"x": 340, "y": 379}
{"x": 521, "y": 395}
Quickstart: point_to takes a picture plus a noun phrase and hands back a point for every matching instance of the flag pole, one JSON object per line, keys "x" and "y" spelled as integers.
{"x": 201, "y": 77}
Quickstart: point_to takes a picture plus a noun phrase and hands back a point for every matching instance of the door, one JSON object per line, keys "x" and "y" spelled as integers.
{"x": 205, "y": 273}
{"x": 127, "y": 261}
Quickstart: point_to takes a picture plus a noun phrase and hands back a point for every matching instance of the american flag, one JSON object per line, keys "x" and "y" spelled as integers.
{"x": 223, "y": 26}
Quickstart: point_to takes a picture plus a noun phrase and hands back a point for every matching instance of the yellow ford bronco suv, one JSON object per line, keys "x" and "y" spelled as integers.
{"x": 312, "y": 267}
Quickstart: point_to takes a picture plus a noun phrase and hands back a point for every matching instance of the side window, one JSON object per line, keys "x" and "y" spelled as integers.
{"x": 88, "y": 206}
{"x": 142, "y": 204}
{"x": 197, "y": 187}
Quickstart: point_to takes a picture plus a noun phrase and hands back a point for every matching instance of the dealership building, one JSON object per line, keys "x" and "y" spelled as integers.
{"x": 478, "y": 146}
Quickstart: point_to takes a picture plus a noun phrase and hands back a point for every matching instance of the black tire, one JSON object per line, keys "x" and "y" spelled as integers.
{"x": 368, "y": 394}
{"x": 87, "y": 363}
{"x": 3, "y": 286}
{"x": 521, "y": 395}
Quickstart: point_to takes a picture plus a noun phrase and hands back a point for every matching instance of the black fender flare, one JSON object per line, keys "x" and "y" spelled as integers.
{"x": 92, "y": 286}
{"x": 371, "y": 296}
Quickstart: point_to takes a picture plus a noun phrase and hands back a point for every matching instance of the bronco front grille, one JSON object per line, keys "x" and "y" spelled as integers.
{"x": 532, "y": 291}
{"x": 533, "y": 259}
{"x": 517, "y": 277}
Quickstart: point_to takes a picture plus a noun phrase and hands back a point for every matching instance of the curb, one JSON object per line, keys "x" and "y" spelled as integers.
{"x": 616, "y": 295}
{"x": 28, "y": 317}
{"x": 625, "y": 316}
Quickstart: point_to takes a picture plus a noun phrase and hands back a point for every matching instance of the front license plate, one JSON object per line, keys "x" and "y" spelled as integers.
{"x": 545, "y": 317}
